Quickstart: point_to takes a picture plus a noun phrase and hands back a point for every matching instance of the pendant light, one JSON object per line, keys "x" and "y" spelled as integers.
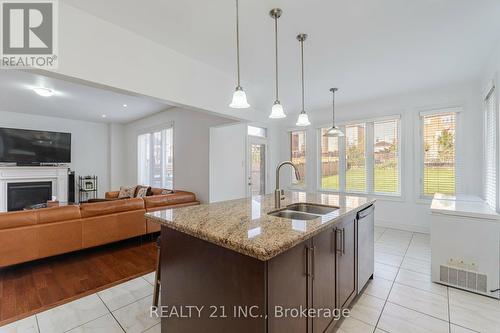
{"x": 239, "y": 96}
{"x": 334, "y": 130}
{"x": 303, "y": 119}
{"x": 277, "y": 109}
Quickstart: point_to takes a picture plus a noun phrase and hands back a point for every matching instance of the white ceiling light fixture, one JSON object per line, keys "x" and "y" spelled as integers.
{"x": 239, "y": 96}
{"x": 104, "y": 116}
{"x": 334, "y": 130}
{"x": 303, "y": 119}
{"x": 45, "y": 92}
{"x": 277, "y": 111}
{"x": 125, "y": 105}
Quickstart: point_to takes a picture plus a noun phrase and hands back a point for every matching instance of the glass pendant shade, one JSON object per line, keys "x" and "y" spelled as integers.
{"x": 334, "y": 132}
{"x": 239, "y": 99}
{"x": 277, "y": 111}
{"x": 303, "y": 119}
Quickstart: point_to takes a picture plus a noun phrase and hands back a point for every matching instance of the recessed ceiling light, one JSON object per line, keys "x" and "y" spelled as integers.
{"x": 104, "y": 116}
{"x": 125, "y": 105}
{"x": 45, "y": 92}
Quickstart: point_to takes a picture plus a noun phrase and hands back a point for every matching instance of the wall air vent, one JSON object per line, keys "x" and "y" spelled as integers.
{"x": 463, "y": 279}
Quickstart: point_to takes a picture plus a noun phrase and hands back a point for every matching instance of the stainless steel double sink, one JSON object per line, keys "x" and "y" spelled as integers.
{"x": 303, "y": 211}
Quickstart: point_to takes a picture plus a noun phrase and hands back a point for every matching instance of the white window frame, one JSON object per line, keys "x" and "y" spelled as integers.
{"x": 263, "y": 129}
{"x": 492, "y": 88}
{"x": 369, "y": 158}
{"x": 151, "y": 130}
{"x": 421, "y": 198}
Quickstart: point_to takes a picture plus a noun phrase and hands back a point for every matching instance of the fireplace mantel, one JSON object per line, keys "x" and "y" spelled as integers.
{"x": 13, "y": 174}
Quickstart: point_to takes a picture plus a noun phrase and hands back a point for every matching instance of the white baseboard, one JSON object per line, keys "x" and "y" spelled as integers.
{"x": 399, "y": 226}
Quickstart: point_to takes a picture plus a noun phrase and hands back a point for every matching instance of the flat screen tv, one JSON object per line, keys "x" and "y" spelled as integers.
{"x": 26, "y": 147}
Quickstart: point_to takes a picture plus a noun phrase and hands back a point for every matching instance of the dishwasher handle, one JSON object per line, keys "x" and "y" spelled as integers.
{"x": 365, "y": 212}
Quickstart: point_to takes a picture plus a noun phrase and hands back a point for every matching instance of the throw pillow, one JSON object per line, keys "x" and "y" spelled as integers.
{"x": 165, "y": 191}
{"x": 126, "y": 192}
{"x": 142, "y": 191}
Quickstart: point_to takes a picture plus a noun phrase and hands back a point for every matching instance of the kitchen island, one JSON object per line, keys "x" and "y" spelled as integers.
{"x": 233, "y": 267}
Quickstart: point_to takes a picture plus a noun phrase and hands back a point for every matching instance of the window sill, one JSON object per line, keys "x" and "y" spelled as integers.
{"x": 297, "y": 188}
{"x": 423, "y": 200}
{"x": 384, "y": 197}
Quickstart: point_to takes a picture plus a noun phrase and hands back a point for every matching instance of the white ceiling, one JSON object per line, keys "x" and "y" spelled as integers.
{"x": 71, "y": 100}
{"x": 368, "y": 48}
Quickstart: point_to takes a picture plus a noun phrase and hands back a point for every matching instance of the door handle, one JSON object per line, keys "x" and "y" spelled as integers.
{"x": 334, "y": 242}
{"x": 313, "y": 259}
{"x": 338, "y": 243}
{"x": 343, "y": 240}
{"x": 306, "y": 263}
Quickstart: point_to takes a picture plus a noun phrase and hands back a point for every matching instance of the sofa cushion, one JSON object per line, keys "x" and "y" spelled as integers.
{"x": 112, "y": 195}
{"x": 178, "y": 197}
{"x": 127, "y": 192}
{"x": 142, "y": 191}
{"x": 110, "y": 207}
{"x": 57, "y": 214}
{"x": 160, "y": 191}
{"x": 17, "y": 219}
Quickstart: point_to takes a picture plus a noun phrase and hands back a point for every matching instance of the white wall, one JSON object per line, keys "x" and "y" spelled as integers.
{"x": 408, "y": 212}
{"x": 191, "y": 147}
{"x": 228, "y": 162}
{"x": 118, "y": 164}
{"x": 89, "y": 142}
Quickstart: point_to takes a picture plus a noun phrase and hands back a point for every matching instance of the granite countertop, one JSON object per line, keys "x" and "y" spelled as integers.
{"x": 243, "y": 225}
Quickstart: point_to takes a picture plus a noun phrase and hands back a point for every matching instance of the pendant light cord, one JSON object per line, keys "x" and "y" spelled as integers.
{"x": 333, "y": 108}
{"x": 238, "y": 40}
{"x": 276, "y": 55}
{"x": 302, "y": 57}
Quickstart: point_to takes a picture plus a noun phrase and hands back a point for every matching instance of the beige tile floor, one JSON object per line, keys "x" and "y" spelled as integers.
{"x": 400, "y": 299}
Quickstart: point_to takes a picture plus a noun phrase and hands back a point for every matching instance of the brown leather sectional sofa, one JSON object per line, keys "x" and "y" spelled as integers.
{"x": 34, "y": 234}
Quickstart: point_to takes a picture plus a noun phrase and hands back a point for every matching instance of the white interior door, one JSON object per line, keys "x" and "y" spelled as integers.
{"x": 228, "y": 149}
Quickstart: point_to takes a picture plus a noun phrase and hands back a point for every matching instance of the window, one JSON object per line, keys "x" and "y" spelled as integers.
{"x": 155, "y": 158}
{"x": 365, "y": 160}
{"x": 386, "y": 156}
{"x": 490, "y": 147}
{"x": 439, "y": 153}
{"x": 257, "y": 131}
{"x": 330, "y": 162}
{"x": 298, "y": 149}
{"x": 355, "y": 158}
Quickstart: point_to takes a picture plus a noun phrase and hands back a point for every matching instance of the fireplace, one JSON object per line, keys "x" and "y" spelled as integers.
{"x": 21, "y": 195}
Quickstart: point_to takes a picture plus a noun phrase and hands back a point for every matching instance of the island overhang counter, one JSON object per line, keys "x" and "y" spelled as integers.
{"x": 232, "y": 267}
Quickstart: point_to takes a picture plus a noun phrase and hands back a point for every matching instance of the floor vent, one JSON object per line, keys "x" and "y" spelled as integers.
{"x": 463, "y": 278}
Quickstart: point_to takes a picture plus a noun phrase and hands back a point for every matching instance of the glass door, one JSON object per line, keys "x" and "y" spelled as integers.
{"x": 257, "y": 177}
{"x": 155, "y": 158}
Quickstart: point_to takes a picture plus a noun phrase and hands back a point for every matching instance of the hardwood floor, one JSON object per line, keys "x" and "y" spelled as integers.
{"x": 39, "y": 285}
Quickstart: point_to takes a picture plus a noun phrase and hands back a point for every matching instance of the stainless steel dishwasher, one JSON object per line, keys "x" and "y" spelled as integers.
{"x": 366, "y": 246}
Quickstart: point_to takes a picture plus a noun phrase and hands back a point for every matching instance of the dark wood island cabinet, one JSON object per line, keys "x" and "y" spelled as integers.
{"x": 262, "y": 274}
